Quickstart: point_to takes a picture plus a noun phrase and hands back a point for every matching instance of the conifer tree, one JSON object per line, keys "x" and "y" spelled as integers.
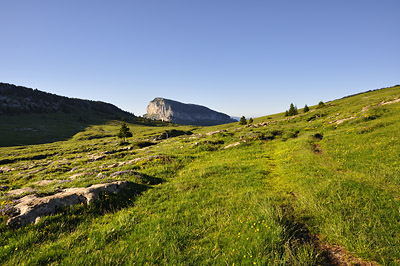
{"x": 242, "y": 121}
{"x": 251, "y": 120}
{"x": 124, "y": 132}
{"x": 292, "y": 110}
{"x": 306, "y": 109}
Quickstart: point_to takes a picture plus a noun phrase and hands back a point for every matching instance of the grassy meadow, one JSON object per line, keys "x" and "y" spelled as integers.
{"x": 291, "y": 191}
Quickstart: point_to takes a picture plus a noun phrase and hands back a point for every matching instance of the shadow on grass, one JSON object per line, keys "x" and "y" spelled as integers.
{"x": 32, "y": 128}
{"x": 297, "y": 234}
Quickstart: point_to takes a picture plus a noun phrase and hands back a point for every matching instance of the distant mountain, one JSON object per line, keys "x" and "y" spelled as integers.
{"x": 185, "y": 114}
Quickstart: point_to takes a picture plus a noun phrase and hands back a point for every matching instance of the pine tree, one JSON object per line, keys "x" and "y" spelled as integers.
{"x": 124, "y": 132}
{"x": 251, "y": 120}
{"x": 321, "y": 104}
{"x": 242, "y": 121}
{"x": 306, "y": 109}
{"x": 292, "y": 110}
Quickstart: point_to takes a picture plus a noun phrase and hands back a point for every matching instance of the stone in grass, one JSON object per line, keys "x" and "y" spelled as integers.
{"x": 123, "y": 172}
{"x": 19, "y": 191}
{"x": 45, "y": 182}
{"x": 30, "y": 208}
{"x": 215, "y": 132}
{"x": 232, "y": 145}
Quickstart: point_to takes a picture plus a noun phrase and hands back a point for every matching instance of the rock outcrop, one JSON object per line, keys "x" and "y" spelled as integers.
{"x": 30, "y": 208}
{"x": 185, "y": 114}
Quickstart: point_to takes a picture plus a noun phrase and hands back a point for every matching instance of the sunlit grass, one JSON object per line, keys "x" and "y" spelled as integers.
{"x": 263, "y": 202}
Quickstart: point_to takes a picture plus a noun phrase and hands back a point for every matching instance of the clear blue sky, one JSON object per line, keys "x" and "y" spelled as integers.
{"x": 247, "y": 57}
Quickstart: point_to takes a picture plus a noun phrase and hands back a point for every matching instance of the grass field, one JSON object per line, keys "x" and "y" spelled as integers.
{"x": 293, "y": 190}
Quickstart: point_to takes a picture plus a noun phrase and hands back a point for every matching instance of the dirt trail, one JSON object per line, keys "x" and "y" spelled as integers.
{"x": 338, "y": 256}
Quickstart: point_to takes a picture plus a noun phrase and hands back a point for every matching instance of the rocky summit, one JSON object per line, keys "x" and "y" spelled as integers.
{"x": 185, "y": 114}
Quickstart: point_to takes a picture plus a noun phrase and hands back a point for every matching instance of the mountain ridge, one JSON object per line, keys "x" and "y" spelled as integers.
{"x": 19, "y": 99}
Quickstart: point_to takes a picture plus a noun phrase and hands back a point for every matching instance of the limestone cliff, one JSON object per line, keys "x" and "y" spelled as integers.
{"x": 185, "y": 114}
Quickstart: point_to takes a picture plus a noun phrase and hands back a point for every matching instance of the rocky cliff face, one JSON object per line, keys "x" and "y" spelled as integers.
{"x": 185, "y": 114}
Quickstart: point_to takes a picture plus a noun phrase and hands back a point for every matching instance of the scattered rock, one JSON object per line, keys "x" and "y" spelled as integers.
{"x": 117, "y": 164}
{"x": 31, "y": 207}
{"x": 101, "y": 175}
{"x": 340, "y": 121}
{"x": 5, "y": 169}
{"x": 153, "y": 157}
{"x": 123, "y": 172}
{"x": 232, "y": 145}
{"x": 73, "y": 169}
{"x": 128, "y": 148}
{"x": 80, "y": 174}
{"x": 196, "y": 136}
{"x": 37, "y": 171}
{"x": 96, "y": 157}
{"x": 64, "y": 181}
{"x": 20, "y": 191}
{"x": 44, "y": 182}
{"x": 60, "y": 162}
{"x": 215, "y": 132}
{"x": 114, "y": 165}
{"x": 389, "y": 102}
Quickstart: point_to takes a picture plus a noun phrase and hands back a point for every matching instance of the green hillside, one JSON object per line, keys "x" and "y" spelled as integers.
{"x": 318, "y": 188}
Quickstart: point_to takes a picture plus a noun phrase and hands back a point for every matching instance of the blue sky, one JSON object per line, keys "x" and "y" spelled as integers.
{"x": 247, "y": 58}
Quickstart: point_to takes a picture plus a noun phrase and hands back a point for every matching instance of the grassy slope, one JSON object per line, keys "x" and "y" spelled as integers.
{"x": 28, "y": 129}
{"x": 202, "y": 204}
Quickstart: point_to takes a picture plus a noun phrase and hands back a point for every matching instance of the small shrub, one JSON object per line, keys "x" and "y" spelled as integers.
{"x": 321, "y": 104}
{"x": 242, "y": 121}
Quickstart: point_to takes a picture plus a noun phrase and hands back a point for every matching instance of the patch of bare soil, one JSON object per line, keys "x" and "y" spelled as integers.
{"x": 331, "y": 255}
{"x": 337, "y": 256}
{"x": 317, "y": 148}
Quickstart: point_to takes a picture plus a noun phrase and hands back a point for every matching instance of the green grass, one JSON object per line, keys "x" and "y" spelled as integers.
{"x": 28, "y": 129}
{"x": 263, "y": 202}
